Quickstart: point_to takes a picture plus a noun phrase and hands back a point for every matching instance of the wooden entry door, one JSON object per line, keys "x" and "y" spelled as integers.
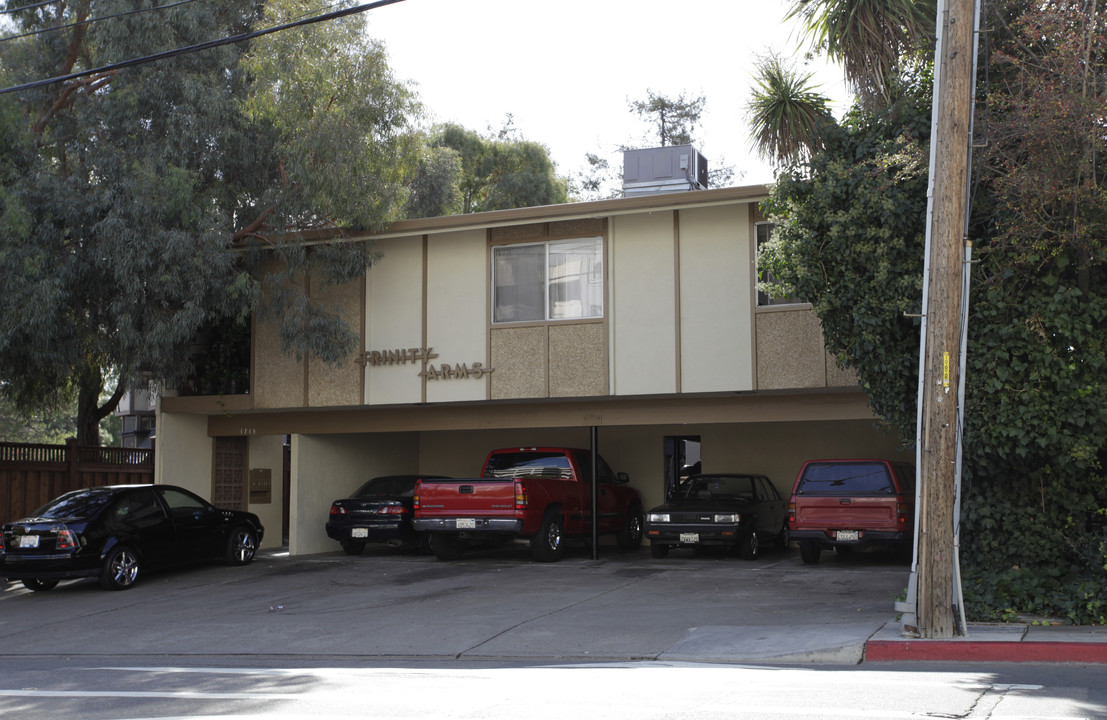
{"x": 229, "y": 484}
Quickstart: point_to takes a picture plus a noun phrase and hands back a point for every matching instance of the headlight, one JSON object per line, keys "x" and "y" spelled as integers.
{"x": 658, "y": 517}
{"x": 731, "y": 518}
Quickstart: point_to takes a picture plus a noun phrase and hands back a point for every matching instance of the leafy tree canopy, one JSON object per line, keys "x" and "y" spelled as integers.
{"x": 463, "y": 171}
{"x": 850, "y": 239}
{"x": 141, "y": 205}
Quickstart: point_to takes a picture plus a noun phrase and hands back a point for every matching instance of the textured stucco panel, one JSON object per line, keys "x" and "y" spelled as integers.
{"x": 578, "y": 362}
{"x": 790, "y": 352}
{"x": 577, "y": 228}
{"x": 516, "y": 233}
{"x": 330, "y": 385}
{"x": 519, "y": 356}
{"x": 278, "y": 379}
{"x": 839, "y": 377}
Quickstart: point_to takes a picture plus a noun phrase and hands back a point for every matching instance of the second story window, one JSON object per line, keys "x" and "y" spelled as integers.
{"x": 556, "y": 280}
{"x": 764, "y": 277}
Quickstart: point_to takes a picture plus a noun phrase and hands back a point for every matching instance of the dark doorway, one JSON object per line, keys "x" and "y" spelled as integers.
{"x": 682, "y": 458}
{"x": 229, "y": 484}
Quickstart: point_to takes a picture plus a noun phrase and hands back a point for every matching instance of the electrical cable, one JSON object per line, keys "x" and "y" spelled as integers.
{"x": 89, "y": 21}
{"x": 29, "y": 7}
{"x": 200, "y": 46}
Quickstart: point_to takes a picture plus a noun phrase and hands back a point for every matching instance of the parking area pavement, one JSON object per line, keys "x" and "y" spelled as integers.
{"x": 492, "y": 604}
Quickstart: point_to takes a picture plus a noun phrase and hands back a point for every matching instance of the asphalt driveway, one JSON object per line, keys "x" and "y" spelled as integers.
{"x": 492, "y": 604}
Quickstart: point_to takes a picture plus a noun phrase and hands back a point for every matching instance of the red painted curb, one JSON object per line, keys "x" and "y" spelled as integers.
{"x": 998, "y": 651}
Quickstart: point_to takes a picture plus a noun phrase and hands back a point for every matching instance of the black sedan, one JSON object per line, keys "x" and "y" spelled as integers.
{"x": 112, "y": 533}
{"x": 728, "y": 510}
{"x": 379, "y": 511}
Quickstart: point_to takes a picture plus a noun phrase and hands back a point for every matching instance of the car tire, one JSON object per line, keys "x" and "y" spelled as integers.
{"x": 549, "y": 544}
{"x": 658, "y": 550}
{"x": 783, "y": 538}
{"x": 630, "y": 537}
{"x": 751, "y": 546}
{"x": 39, "y": 585}
{"x": 352, "y": 547}
{"x": 121, "y": 567}
{"x": 242, "y": 545}
{"x": 809, "y": 551}
{"x": 447, "y": 546}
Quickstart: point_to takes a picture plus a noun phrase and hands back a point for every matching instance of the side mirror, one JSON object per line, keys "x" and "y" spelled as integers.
{"x": 622, "y": 477}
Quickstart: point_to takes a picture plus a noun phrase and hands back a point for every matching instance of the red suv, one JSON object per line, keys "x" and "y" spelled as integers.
{"x": 844, "y": 504}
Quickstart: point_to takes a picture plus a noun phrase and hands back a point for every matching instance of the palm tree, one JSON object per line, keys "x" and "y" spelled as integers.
{"x": 786, "y": 113}
{"x": 873, "y": 39}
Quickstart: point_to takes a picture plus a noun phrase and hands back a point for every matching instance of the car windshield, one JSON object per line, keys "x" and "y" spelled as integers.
{"x": 386, "y": 487}
{"x": 733, "y": 487}
{"x": 846, "y": 479}
{"x": 77, "y": 504}
{"x": 554, "y": 465}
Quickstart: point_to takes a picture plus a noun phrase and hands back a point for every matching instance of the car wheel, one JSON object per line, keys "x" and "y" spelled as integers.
{"x": 120, "y": 568}
{"x": 39, "y": 585}
{"x": 241, "y": 546}
{"x": 353, "y": 547}
{"x": 630, "y": 537}
{"x": 447, "y": 546}
{"x": 549, "y": 544}
{"x": 783, "y": 538}
{"x": 658, "y": 550}
{"x": 750, "y": 546}
{"x": 809, "y": 551}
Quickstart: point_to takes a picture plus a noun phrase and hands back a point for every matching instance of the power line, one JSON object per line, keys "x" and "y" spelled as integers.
{"x": 89, "y": 21}
{"x": 200, "y": 46}
{"x": 28, "y": 7}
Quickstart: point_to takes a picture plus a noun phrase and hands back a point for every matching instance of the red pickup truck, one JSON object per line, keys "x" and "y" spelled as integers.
{"x": 540, "y": 494}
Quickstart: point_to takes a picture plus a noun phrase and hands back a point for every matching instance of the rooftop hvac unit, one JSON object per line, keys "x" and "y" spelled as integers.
{"x": 675, "y": 168}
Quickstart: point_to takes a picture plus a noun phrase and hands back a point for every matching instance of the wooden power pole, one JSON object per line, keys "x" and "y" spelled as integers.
{"x": 939, "y": 432}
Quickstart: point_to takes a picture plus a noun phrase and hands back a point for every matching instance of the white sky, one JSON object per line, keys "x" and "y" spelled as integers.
{"x": 566, "y": 70}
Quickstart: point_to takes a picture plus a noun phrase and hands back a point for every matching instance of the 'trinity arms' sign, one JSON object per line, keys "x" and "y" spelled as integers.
{"x": 403, "y": 356}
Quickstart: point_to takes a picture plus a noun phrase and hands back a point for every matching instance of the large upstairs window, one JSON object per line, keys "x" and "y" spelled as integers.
{"x": 555, "y": 280}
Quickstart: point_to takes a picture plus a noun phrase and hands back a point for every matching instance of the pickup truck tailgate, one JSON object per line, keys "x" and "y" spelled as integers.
{"x": 871, "y": 513}
{"x": 486, "y": 498}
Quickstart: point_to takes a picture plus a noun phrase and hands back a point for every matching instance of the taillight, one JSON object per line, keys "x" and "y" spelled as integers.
{"x": 520, "y": 495}
{"x": 415, "y": 497}
{"x": 66, "y": 541}
{"x": 901, "y": 513}
{"x": 392, "y": 510}
{"x": 1, "y": 541}
{"x": 337, "y": 510}
{"x": 792, "y": 511}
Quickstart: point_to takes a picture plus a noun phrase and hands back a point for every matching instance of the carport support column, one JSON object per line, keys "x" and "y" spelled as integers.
{"x": 593, "y": 435}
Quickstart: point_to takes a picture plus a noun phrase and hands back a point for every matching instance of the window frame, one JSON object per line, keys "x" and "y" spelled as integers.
{"x": 595, "y": 274}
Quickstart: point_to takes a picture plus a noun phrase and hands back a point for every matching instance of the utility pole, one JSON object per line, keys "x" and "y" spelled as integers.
{"x": 936, "y": 573}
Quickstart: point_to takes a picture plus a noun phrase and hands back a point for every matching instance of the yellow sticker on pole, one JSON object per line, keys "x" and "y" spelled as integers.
{"x": 945, "y": 371}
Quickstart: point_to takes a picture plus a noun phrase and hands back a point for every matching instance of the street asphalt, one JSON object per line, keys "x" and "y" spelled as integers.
{"x": 498, "y": 604}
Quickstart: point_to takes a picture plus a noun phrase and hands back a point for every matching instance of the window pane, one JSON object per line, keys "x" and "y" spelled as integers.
{"x": 766, "y": 277}
{"x": 576, "y": 279}
{"x": 519, "y": 274}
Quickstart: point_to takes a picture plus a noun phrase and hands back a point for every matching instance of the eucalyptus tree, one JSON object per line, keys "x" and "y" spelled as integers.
{"x": 140, "y": 205}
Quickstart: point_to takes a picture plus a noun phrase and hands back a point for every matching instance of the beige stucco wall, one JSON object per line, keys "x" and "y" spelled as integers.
{"x": 457, "y": 312}
{"x": 716, "y": 333}
{"x": 643, "y": 304}
{"x": 266, "y": 452}
{"x": 578, "y": 360}
{"x": 185, "y": 454}
{"x": 520, "y": 356}
{"x": 394, "y": 320}
{"x": 790, "y": 352}
{"x": 337, "y": 384}
{"x": 328, "y": 467}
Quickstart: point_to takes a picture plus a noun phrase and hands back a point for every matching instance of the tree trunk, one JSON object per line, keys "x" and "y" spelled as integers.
{"x": 90, "y": 386}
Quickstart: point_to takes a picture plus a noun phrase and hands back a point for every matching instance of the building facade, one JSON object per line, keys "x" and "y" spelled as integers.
{"x": 637, "y": 316}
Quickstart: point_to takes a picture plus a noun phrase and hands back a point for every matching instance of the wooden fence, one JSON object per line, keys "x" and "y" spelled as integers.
{"x": 30, "y": 475}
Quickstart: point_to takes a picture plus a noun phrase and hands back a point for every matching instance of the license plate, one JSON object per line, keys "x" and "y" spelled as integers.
{"x": 689, "y": 537}
{"x": 28, "y": 541}
{"x": 846, "y": 536}
{"x": 466, "y": 524}
{"x": 359, "y": 532}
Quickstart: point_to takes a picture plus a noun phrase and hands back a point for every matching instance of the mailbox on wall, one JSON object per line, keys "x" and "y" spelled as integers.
{"x": 261, "y": 486}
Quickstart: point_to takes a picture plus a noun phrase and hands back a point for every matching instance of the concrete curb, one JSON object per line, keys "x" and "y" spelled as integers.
{"x": 993, "y": 643}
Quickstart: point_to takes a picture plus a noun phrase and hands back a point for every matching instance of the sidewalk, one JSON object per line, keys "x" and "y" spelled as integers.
{"x": 1014, "y": 643}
